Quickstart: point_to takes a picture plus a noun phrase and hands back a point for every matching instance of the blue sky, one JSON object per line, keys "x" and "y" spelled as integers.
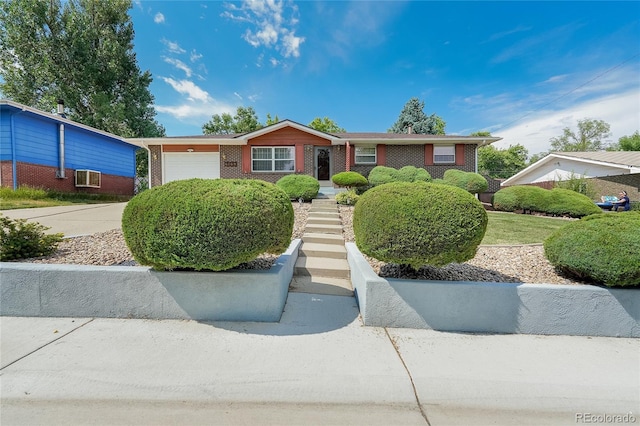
{"x": 522, "y": 70}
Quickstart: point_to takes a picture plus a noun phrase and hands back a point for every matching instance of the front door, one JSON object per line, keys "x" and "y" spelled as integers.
{"x": 323, "y": 163}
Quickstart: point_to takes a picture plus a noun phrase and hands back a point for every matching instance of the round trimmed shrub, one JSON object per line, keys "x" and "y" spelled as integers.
{"x": 566, "y": 202}
{"x": 207, "y": 224}
{"x": 380, "y": 175}
{"x": 602, "y": 248}
{"x": 557, "y": 202}
{"x": 349, "y": 179}
{"x": 299, "y": 186}
{"x": 412, "y": 174}
{"x": 348, "y": 198}
{"x": 419, "y": 224}
{"x": 469, "y": 181}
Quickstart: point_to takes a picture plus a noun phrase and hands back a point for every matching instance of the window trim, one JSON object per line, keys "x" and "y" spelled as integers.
{"x": 273, "y": 159}
{"x": 452, "y": 154}
{"x": 356, "y": 155}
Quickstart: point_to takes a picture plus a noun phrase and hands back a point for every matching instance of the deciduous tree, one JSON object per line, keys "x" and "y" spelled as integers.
{"x": 245, "y": 120}
{"x": 589, "y": 137}
{"x": 502, "y": 163}
{"x": 326, "y": 125}
{"x": 413, "y": 119}
{"x": 627, "y": 143}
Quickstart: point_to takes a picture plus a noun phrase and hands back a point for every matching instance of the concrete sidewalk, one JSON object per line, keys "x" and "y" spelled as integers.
{"x": 319, "y": 365}
{"x": 74, "y": 220}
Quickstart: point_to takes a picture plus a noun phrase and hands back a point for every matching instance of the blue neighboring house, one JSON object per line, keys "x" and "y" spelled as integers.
{"x": 46, "y": 150}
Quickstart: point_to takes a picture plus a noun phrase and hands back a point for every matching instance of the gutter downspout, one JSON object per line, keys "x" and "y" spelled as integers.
{"x": 14, "y": 161}
{"x": 61, "y": 169}
{"x": 348, "y": 160}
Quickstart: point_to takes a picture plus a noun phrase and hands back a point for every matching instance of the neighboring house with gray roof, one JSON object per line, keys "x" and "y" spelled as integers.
{"x": 288, "y": 147}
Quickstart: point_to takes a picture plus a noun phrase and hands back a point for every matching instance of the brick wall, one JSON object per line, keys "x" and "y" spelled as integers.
{"x": 40, "y": 176}
{"x": 155, "y": 173}
{"x": 232, "y": 156}
{"x": 6, "y": 172}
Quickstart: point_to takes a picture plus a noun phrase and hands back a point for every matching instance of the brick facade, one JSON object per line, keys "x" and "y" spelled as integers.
{"x": 155, "y": 172}
{"x": 39, "y": 176}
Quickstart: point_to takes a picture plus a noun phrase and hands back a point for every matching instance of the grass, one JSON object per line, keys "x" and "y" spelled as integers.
{"x": 27, "y": 197}
{"x": 512, "y": 228}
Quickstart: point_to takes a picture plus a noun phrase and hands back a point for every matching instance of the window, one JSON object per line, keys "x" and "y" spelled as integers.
{"x": 273, "y": 159}
{"x": 88, "y": 178}
{"x": 365, "y": 155}
{"x": 444, "y": 154}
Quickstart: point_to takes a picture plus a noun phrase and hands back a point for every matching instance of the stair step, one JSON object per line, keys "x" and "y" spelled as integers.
{"x": 332, "y": 213}
{"x": 310, "y": 237}
{"x": 333, "y": 251}
{"x": 323, "y": 203}
{"x": 321, "y": 285}
{"x": 322, "y": 267}
{"x": 323, "y": 229}
{"x": 324, "y": 221}
{"x": 326, "y": 209}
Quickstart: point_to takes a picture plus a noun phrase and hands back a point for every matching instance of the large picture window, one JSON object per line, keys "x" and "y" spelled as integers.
{"x": 444, "y": 154}
{"x": 273, "y": 159}
{"x": 365, "y": 155}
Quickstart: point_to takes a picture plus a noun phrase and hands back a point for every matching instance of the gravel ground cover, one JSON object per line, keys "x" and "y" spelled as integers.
{"x": 525, "y": 263}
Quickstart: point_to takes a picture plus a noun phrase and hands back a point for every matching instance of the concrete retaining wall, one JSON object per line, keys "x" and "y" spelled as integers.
{"x": 480, "y": 307}
{"x": 39, "y": 290}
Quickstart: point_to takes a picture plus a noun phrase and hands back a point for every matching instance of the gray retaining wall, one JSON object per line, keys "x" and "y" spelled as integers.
{"x": 41, "y": 290}
{"x": 481, "y": 307}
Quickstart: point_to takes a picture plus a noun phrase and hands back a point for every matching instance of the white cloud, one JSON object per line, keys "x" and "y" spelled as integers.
{"x": 159, "y": 18}
{"x": 188, "y": 88}
{"x": 237, "y": 95}
{"x": 179, "y": 65}
{"x": 620, "y": 110}
{"x": 194, "y": 56}
{"x": 274, "y": 62}
{"x": 173, "y": 46}
{"x": 270, "y": 28}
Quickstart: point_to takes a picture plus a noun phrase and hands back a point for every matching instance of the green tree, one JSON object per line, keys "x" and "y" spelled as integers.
{"x": 537, "y": 157}
{"x": 326, "y": 125}
{"x": 80, "y": 52}
{"x": 502, "y": 163}
{"x": 627, "y": 143}
{"x": 271, "y": 121}
{"x": 412, "y": 118}
{"x": 245, "y": 120}
{"x": 589, "y": 137}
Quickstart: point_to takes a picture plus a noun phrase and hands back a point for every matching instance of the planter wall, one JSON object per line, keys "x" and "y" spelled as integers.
{"x": 39, "y": 290}
{"x": 481, "y": 307}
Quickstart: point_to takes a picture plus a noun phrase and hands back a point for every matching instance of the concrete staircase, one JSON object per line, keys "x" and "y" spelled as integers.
{"x": 322, "y": 266}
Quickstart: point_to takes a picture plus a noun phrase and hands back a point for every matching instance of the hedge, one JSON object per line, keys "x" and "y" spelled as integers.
{"x": 557, "y": 202}
{"x": 205, "y": 224}
{"x": 299, "y": 186}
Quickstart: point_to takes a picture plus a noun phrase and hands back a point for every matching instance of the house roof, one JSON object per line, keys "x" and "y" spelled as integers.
{"x": 335, "y": 138}
{"x": 60, "y": 119}
{"x": 623, "y": 160}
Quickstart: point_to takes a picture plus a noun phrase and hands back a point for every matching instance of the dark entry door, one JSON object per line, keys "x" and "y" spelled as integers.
{"x": 323, "y": 163}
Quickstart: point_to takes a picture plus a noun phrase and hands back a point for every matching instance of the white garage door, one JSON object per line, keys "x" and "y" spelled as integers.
{"x": 187, "y": 165}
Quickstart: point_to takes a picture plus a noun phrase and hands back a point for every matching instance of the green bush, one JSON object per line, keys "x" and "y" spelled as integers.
{"x": 23, "y": 240}
{"x": 349, "y": 179}
{"x": 419, "y": 224}
{"x": 602, "y": 248}
{"x": 207, "y": 224}
{"x": 557, "y": 202}
{"x": 23, "y": 192}
{"x": 299, "y": 186}
{"x": 412, "y": 174}
{"x": 469, "y": 181}
{"x": 380, "y": 175}
{"x": 348, "y": 198}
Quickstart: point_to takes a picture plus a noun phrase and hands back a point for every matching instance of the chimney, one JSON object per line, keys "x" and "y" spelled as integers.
{"x": 61, "y": 108}
{"x": 410, "y": 129}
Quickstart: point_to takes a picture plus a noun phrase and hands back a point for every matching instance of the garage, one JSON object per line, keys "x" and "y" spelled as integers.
{"x": 187, "y": 165}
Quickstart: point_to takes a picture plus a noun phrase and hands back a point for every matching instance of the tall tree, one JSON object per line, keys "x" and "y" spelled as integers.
{"x": 502, "y": 163}
{"x": 326, "y": 125}
{"x": 271, "y": 120}
{"x": 627, "y": 143}
{"x": 245, "y": 120}
{"x": 413, "y": 119}
{"x": 589, "y": 137}
{"x": 80, "y": 52}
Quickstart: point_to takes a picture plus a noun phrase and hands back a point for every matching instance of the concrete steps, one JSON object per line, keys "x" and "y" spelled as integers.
{"x": 322, "y": 266}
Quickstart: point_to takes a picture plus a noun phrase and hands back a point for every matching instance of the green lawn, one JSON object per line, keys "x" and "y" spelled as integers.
{"x": 512, "y": 228}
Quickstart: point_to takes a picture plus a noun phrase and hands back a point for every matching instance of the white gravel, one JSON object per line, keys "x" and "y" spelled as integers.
{"x": 525, "y": 263}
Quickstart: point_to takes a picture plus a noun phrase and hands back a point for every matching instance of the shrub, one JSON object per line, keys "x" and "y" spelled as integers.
{"x": 23, "y": 240}
{"x": 349, "y": 179}
{"x": 602, "y": 248}
{"x": 207, "y": 224}
{"x": 469, "y": 181}
{"x": 579, "y": 184}
{"x": 299, "y": 186}
{"x": 380, "y": 175}
{"x": 348, "y": 198}
{"x": 412, "y": 174}
{"x": 566, "y": 202}
{"x": 557, "y": 202}
{"x": 419, "y": 223}
{"x": 23, "y": 192}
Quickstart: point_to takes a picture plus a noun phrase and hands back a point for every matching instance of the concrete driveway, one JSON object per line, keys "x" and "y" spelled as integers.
{"x": 74, "y": 220}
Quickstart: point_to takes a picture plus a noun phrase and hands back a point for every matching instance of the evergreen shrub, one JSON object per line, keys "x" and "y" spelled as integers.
{"x": 473, "y": 182}
{"x": 23, "y": 240}
{"x": 205, "y": 224}
{"x": 566, "y": 202}
{"x": 299, "y": 186}
{"x": 419, "y": 223}
{"x": 557, "y": 202}
{"x": 412, "y": 174}
{"x": 380, "y": 175}
{"x": 349, "y": 179}
{"x": 348, "y": 198}
{"x": 601, "y": 248}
